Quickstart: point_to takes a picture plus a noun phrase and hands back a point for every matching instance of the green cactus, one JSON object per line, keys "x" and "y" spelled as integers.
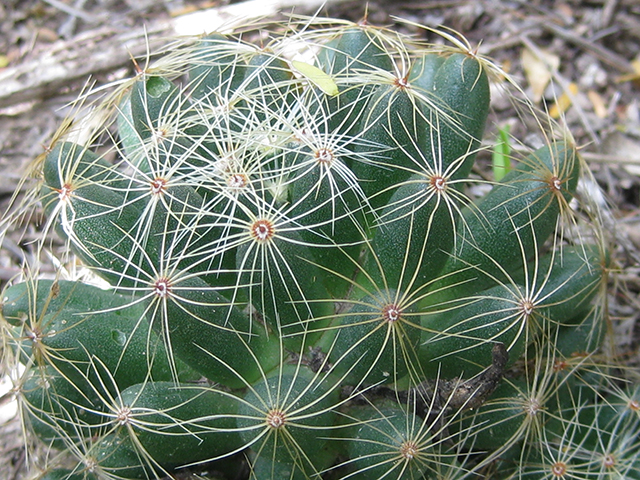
{"x": 290, "y": 279}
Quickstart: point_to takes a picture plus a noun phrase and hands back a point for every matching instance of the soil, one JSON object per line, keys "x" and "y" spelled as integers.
{"x": 593, "y": 46}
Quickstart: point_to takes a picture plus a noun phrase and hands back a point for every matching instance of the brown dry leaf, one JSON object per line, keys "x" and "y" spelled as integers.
{"x": 563, "y": 102}
{"x": 597, "y": 101}
{"x": 631, "y": 77}
{"x": 538, "y": 68}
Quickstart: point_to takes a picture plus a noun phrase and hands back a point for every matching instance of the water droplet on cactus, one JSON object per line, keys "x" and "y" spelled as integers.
{"x": 119, "y": 337}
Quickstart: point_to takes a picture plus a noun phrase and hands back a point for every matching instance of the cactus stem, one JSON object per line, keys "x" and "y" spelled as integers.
{"x": 292, "y": 253}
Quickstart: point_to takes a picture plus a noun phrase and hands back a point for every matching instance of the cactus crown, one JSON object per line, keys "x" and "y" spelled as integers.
{"x": 297, "y": 280}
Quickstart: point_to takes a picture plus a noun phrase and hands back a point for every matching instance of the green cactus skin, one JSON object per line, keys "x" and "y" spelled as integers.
{"x": 88, "y": 211}
{"x": 156, "y": 410}
{"x": 416, "y": 231}
{"x": 513, "y": 219}
{"x": 58, "y": 411}
{"x": 354, "y": 50}
{"x": 66, "y": 474}
{"x": 70, "y": 325}
{"x": 452, "y": 339}
{"x": 462, "y": 86}
{"x": 217, "y": 67}
{"x": 377, "y": 340}
{"x": 384, "y": 441}
{"x": 299, "y": 281}
{"x": 26, "y": 302}
{"x": 287, "y": 418}
{"x": 460, "y": 341}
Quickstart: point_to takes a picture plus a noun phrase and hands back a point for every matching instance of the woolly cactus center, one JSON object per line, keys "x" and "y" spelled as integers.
{"x": 262, "y": 230}
{"x": 35, "y": 335}
{"x": 532, "y": 407}
{"x": 160, "y": 134}
{"x": 409, "y": 449}
{"x": 609, "y": 461}
{"x": 391, "y": 313}
{"x": 438, "y": 183}
{"x": 65, "y": 192}
{"x": 558, "y": 469}
{"x": 276, "y": 418}
{"x": 91, "y": 464}
{"x": 324, "y": 156}
{"x": 301, "y": 135}
{"x": 556, "y": 183}
{"x": 559, "y": 365}
{"x": 527, "y": 307}
{"x": 401, "y": 82}
{"x": 634, "y": 405}
{"x": 162, "y": 287}
{"x": 124, "y": 416}
{"x": 158, "y": 185}
{"x": 237, "y": 181}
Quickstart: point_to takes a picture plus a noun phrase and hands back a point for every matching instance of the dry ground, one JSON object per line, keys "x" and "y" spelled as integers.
{"x": 593, "y": 45}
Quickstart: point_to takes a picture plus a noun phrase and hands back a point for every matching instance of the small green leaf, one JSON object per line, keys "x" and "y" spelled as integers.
{"x": 316, "y": 76}
{"x": 500, "y": 160}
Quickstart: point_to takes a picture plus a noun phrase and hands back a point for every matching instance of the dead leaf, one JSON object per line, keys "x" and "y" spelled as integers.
{"x": 564, "y": 101}
{"x": 631, "y": 77}
{"x": 597, "y": 101}
{"x": 538, "y": 70}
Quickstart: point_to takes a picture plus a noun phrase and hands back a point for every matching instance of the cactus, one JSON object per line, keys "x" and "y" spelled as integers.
{"x": 288, "y": 277}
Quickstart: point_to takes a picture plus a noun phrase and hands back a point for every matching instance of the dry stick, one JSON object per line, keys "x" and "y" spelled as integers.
{"x": 608, "y": 10}
{"x": 604, "y": 54}
{"x": 630, "y": 24}
{"x": 74, "y": 12}
{"x": 458, "y": 394}
{"x": 432, "y": 397}
{"x": 106, "y": 49}
{"x": 605, "y": 158}
{"x": 100, "y": 50}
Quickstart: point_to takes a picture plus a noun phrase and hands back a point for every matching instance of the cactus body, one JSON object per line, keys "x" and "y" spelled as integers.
{"x": 299, "y": 285}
